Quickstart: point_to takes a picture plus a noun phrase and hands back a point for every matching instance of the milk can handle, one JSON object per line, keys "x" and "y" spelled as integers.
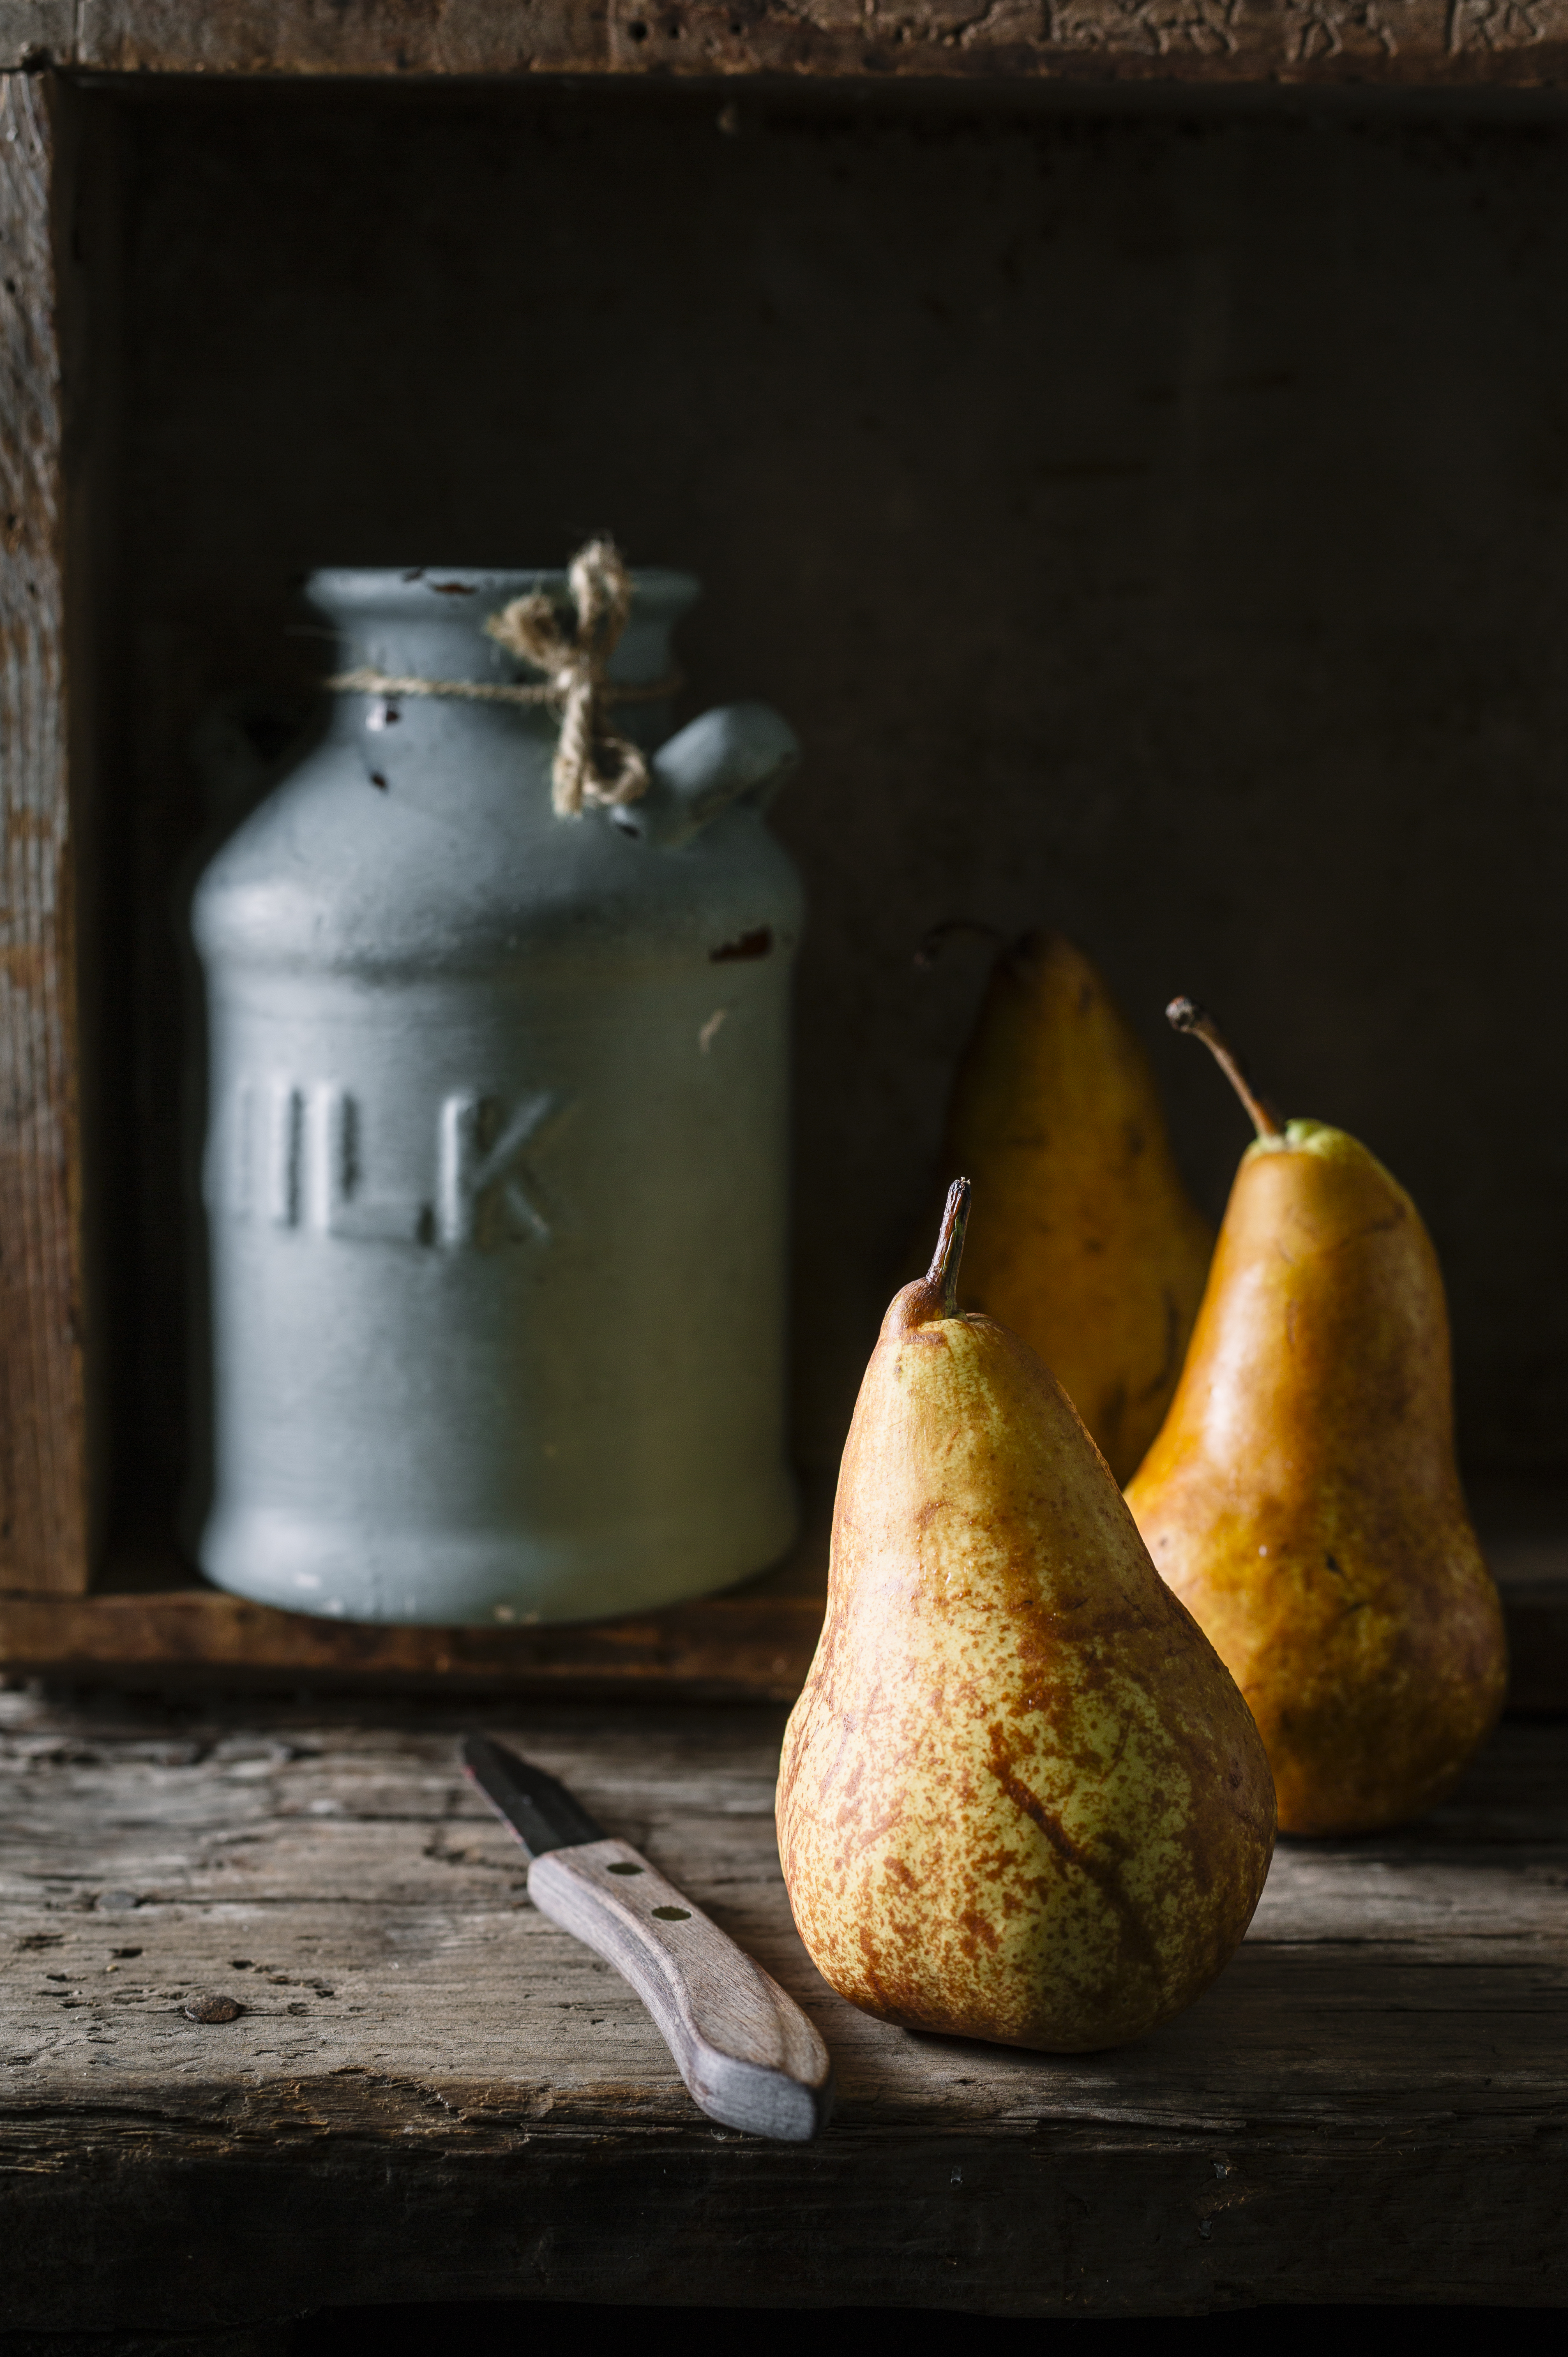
{"x": 737, "y": 753}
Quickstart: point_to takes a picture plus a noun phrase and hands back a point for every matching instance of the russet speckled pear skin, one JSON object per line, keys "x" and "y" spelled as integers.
{"x": 1082, "y": 1237}
{"x": 1302, "y": 1499}
{"x": 1020, "y": 1797}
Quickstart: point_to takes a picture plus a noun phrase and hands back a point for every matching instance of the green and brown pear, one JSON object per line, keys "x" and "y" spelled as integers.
{"x": 1020, "y": 1797}
{"x": 1303, "y": 1498}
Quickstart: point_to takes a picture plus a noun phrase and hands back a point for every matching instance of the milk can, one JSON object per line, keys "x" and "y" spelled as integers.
{"x": 496, "y": 1162}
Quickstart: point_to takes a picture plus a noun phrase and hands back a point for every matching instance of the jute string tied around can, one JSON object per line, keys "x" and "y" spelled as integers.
{"x": 593, "y": 763}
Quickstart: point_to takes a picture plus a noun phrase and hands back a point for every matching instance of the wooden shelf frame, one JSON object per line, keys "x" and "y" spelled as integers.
{"x": 44, "y": 1472}
{"x": 1464, "y": 45}
{"x": 757, "y": 1641}
{"x": 740, "y": 1647}
{"x": 723, "y": 1648}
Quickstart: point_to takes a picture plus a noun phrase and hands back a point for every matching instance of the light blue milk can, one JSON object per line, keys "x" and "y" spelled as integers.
{"x": 496, "y": 1168}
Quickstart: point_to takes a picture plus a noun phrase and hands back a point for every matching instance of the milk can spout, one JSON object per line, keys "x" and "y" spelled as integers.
{"x": 737, "y": 754}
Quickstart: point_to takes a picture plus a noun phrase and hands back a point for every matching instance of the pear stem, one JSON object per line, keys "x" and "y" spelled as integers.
{"x": 1185, "y": 1015}
{"x": 943, "y": 1270}
{"x": 933, "y": 941}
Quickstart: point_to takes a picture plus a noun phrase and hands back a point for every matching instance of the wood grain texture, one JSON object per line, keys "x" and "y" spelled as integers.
{"x": 43, "y": 1499}
{"x": 1444, "y": 43}
{"x": 734, "y": 1645}
{"x": 432, "y": 2093}
{"x": 741, "y": 2043}
{"x": 755, "y": 1643}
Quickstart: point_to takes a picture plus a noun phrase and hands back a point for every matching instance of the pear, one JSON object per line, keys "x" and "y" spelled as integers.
{"x": 1084, "y": 1240}
{"x": 1302, "y": 1499}
{"x": 1020, "y": 1797}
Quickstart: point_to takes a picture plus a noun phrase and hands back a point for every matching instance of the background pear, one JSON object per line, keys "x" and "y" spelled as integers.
{"x": 1020, "y": 1796}
{"x": 1083, "y": 1239}
{"x": 1302, "y": 1499}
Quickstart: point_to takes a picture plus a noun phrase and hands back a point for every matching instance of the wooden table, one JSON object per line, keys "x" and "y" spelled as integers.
{"x": 432, "y": 2093}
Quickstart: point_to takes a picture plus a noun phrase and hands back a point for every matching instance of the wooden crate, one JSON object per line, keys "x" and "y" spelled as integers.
{"x": 89, "y": 1590}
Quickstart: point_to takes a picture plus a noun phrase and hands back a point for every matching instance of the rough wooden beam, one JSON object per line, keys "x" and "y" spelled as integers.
{"x": 754, "y": 1645}
{"x": 1461, "y": 44}
{"x": 723, "y": 1646}
{"x": 37, "y": 32}
{"x": 43, "y": 1495}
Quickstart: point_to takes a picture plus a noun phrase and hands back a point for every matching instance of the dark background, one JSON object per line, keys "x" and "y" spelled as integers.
{"x": 506, "y": 2329}
{"x": 1154, "y": 522}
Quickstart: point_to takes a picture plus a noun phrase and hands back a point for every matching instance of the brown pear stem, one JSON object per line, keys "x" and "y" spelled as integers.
{"x": 1185, "y": 1015}
{"x": 933, "y": 941}
{"x": 943, "y": 1270}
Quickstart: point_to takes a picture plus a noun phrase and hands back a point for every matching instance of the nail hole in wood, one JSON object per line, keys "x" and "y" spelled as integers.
{"x": 625, "y": 1869}
{"x": 674, "y": 1914}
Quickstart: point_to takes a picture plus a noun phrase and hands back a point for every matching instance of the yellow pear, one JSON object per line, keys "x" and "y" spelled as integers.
{"x": 1302, "y": 1499}
{"x": 1084, "y": 1240}
{"x": 1020, "y": 1796}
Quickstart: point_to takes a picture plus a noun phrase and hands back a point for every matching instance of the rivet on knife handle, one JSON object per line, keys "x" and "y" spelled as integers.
{"x": 743, "y": 2046}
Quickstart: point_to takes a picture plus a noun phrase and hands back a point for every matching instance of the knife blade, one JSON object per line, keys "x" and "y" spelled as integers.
{"x": 537, "y": 1807}
{"x": 748, "y": 2055}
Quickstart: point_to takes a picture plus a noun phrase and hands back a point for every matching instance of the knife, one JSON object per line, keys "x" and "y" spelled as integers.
{"x": 747, "y": 2053}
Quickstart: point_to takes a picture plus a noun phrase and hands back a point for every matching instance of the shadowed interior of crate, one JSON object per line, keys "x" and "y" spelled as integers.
{"x": 1154, "y": 523}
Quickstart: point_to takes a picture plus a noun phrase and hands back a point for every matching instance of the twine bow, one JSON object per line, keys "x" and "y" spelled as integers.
{"x": 531, "y": 627}
{"x": 577, "y": 686}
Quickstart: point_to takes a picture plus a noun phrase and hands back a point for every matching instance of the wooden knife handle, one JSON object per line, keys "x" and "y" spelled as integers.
{"x": 745, "y": 2049}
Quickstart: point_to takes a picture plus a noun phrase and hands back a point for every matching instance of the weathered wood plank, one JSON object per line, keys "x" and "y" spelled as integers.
{"x": 432, "y": 2093}
{"x": 1425, "y": 43}
{"x": 757, "y": 1642}
{"x": 761, "y": 1646}
{"x": 43, "y": 1480}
